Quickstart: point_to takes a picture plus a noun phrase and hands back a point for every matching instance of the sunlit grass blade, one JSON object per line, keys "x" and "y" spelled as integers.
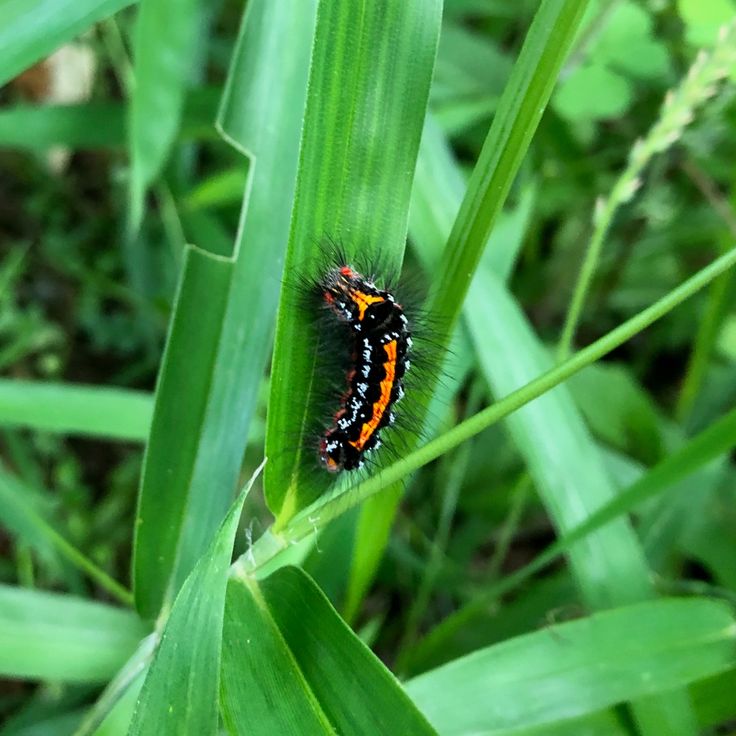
{"x": 47, "y": 636}
{"x": 180, "y": 693}
{"x": 75, "y": 409}
{"x": 374, "y": 59}
{"x": 32, "y": 29}
{"x": 287, "y": 655}
{"x": 579, "y": 667}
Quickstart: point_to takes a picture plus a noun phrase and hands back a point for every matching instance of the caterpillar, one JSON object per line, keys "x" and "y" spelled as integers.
{"x": 381, "y": 341}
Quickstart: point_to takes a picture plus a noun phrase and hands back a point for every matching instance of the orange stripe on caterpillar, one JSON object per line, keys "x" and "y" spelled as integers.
{"x": 380, "y": 406}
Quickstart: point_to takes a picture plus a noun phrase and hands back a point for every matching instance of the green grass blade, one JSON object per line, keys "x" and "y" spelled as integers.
{"x": 32, "y": 29}
{"x": 63, "y": 724}
{"x": 267, "y": 84}
{"x": 22, "y": 513}
{"x": 116, "y": 703}
{"x": 663, "y": 477}
{"x": 603, "y": 723}
{"x": 560, "y": 454}
{"x": 579, "y": 667}
{"x": 567, "y": 469}
{"x": 93, "y": 411}
{"x": 233, "y": 347}
{"x": 371, "y": 537}
{"x": 169, "y": 520}
{"x": 47, "y": 636}
{"x": 262, "y": 672}
{"x": 120, "y": 715}
{"x": 180, "y": 692}
{"x": 368, "y": 87}
{"x": 714, "y": 700}
{"x": 524, "y": 100}
{"x": 287, "y": 655}
{"x": 165, "y": 40}
{"x": 38, "y": 127}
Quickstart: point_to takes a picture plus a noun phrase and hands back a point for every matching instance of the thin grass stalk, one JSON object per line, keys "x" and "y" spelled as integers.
{"x": 677, "y": 111}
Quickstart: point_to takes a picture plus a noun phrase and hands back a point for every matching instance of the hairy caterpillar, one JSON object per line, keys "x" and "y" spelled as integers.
{"x": 381, "y": 341}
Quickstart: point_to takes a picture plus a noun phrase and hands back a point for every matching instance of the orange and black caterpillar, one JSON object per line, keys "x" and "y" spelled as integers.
{"x": 381, "y": 342}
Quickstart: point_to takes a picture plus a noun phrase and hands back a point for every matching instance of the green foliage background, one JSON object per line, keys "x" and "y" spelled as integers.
{"x": 555, "y": 554}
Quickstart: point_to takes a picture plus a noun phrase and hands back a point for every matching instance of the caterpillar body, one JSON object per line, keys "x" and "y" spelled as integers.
{"x": 381, "y": 342}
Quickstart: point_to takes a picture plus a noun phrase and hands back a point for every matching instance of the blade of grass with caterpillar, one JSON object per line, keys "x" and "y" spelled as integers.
{"x": 368, "y": 89}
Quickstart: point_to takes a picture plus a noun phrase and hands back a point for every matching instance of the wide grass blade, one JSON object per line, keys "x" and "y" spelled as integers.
{"x": 518, "y": 114}
{"x": 368, "y": 87}
{"x": 292, "y": 666}
{"x": 47, "y": 636}
{"x": 180, "y": 692}
{"x": 234, "y": 312}
{"x": 94, "y": 411}
{"x": 261, "y": 116}
{"x": 32, "y": 29}
{"x": 579, "y": 667}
